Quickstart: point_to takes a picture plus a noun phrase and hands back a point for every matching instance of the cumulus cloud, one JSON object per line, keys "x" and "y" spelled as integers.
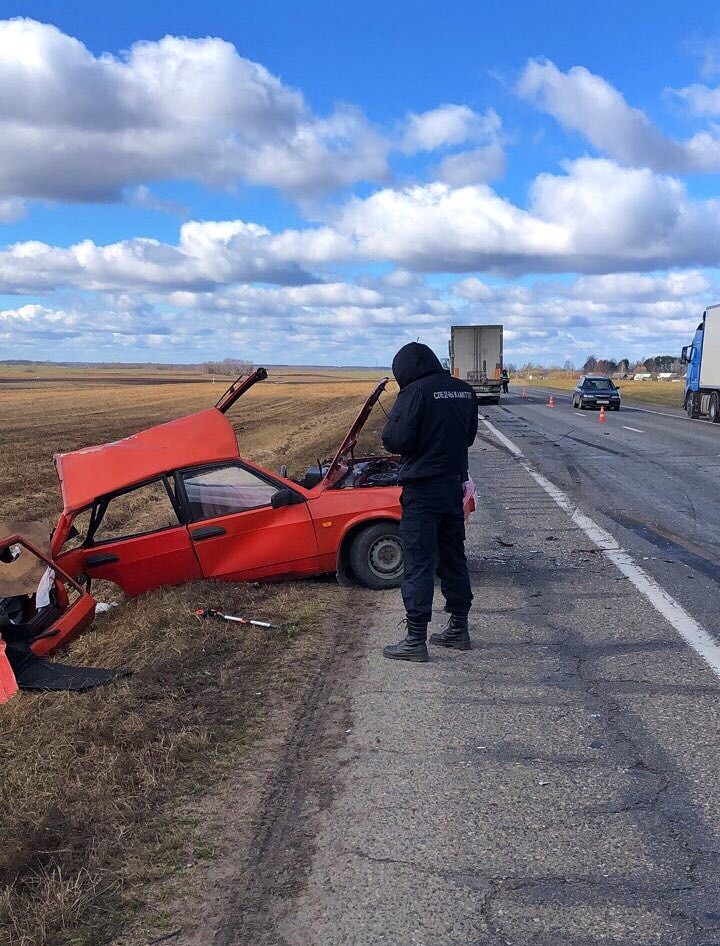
{"x": 595, "y": 218}
{"x": 447, "y": 126}
{"x": 586, "y": 103}
{"x": 633, "y": 314}
{"x": 77, "y": 127}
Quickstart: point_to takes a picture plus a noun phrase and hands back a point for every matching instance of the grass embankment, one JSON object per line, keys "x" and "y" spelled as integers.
{"x": 667, "y": 393}
{"x": 92, "y": 786}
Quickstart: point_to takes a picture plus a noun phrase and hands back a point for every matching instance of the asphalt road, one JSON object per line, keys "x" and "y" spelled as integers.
{"x": 650, "y": 476}
{"x": 558, "y": 785}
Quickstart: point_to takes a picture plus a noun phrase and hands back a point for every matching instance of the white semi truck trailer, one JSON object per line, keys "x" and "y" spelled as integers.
{"x": 476, "y": 356}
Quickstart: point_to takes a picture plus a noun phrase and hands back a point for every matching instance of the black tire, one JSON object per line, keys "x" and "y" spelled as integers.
{"x": 376, "y": 556}
{"x": 691, "y": 406}
{"x": 714, "y": 408}
{"x": 616, "y": 407}
{"x": 574, "y": 403}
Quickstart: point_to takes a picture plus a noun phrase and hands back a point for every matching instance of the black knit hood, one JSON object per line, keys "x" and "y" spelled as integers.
{"x": 414, "y": 361}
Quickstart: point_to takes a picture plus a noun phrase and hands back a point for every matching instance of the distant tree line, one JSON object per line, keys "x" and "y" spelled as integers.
{"x": 652, "y": 365}
{"x": 228, "y": 366}
{"x": 609, "y": 366}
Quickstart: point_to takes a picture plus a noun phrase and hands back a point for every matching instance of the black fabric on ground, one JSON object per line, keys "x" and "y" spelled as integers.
{"x": 38, "y": 673}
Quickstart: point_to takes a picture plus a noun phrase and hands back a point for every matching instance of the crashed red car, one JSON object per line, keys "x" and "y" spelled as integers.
{"x": 177, "y": 502}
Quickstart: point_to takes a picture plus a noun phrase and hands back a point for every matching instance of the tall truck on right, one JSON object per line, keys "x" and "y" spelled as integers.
{"x": 702, "y": 381}
{"x": 476, "y": 356}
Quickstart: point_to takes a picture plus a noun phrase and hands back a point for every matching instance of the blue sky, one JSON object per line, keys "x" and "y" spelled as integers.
{"x": 323, "y": 182}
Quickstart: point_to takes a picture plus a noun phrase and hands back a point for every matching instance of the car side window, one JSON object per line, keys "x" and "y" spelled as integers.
{"x": 146, "y": 508}
{"x": 225, "y": 490}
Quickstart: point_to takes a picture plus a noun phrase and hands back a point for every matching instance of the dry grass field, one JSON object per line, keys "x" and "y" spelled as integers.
{"x": 92, "y": 786}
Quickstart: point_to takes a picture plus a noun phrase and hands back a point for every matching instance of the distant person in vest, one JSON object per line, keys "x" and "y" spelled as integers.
{"x": 505, "y": 378}
{"x": 431, "y": 425}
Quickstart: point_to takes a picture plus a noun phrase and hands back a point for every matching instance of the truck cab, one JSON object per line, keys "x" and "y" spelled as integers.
{"x": 702, "y": 357}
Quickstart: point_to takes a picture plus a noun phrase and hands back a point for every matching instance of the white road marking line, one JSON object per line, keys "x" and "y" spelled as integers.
{"x": 580, "y": 414}
{"x": 686, "y": 626}
{"x": 637, "y": 431}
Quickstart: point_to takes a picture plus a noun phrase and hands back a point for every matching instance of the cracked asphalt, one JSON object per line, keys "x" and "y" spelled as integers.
{"x": 556, "y": 785}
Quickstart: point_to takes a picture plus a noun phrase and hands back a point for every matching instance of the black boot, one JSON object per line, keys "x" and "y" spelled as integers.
{"x": 413, "y": 647}
{"x": 455, "y": 634}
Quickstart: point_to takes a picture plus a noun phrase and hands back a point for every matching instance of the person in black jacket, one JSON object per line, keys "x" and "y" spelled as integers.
{"x": 431, "y": 425}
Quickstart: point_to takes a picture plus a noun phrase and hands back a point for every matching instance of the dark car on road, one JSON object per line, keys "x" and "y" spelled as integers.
{"x": 596, "y": 390}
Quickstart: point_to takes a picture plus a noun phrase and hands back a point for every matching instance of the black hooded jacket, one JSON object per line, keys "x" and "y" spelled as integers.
{"x": 434, "y": 419}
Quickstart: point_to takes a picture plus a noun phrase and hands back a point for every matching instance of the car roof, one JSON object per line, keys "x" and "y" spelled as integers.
{"x": 205, "y": 437}
{"x": 596, "y": 377}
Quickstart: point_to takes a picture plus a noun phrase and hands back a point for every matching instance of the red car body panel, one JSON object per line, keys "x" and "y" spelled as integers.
{"x": 259, "y": 543}
{"x": 138, "y": 563}
{"x": 302, "y": 536}
{"x": 205, "y": 437}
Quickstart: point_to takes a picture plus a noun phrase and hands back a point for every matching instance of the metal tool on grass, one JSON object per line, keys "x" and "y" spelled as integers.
{"x": 204, "y": 613}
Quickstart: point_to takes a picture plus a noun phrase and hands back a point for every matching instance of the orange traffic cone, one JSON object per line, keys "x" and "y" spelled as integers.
{"x": 601, "y": 418}
{"x": 551, "y": 402}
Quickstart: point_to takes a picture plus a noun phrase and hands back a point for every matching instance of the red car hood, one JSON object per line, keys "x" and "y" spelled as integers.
{"x": 335, "y": 470}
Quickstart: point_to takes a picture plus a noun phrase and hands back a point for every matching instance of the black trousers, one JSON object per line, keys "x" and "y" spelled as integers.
{"x": 505, "y": 387}
{"x": 433, "y": 533}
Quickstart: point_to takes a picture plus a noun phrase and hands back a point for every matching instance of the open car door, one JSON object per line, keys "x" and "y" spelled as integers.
{"x": 41, "y": 609}
{"x": 339, "y": 465}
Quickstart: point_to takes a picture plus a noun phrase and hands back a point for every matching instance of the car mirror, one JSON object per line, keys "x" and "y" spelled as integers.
{"x": 284, "y": 497}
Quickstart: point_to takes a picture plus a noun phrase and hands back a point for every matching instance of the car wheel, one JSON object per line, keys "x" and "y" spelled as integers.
{"x": 714, "y": 408}
{"x": 376, "y": 556}
{"x": 616, "y": 407}
{"x": 582, "y": 404}
{"x": 574, "y": 403}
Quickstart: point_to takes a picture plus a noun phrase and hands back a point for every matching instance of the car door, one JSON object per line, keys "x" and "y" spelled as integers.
{"x": 237, "y": 532}
{"x": 69, "y": 609}
{"x": 136, "y": 539}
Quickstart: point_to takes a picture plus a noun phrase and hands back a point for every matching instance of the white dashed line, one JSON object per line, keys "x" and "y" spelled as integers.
{"x": 632, "y": 428}
{"x": 686, "y": 626}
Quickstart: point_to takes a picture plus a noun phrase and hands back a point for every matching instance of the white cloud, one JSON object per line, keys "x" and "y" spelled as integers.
{"x": 473, "y": 289}
{"x": 473, "y": 167}
{"x": 78, "y": 127}
{"x": 446, "y": 127}
{"x": 586, "y": 103}
{"x": 12, "y": 210}
{"x": 596, "y": 218}
{"x": 702, "y": 99}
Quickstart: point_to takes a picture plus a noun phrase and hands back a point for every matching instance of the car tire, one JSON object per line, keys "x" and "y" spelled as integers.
{"x": 714, "y": 408}
{"x": 376, "y": 556}
{"x": 574, "y": 403}
{"x": 616, "y": 407}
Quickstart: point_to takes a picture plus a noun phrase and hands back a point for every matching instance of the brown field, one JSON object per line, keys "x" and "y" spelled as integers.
{"x": 667, "y": 393}
{"x": 93, "y": 786}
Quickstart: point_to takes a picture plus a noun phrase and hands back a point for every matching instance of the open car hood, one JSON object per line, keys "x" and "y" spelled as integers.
{"x": 336, "y": 468}
{"x": 204, "y": 437}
